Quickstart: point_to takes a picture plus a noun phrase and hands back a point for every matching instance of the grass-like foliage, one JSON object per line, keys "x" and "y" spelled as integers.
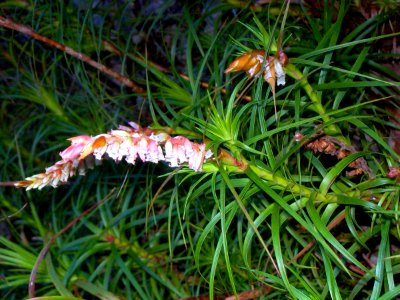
{"x": 298, "y": 197}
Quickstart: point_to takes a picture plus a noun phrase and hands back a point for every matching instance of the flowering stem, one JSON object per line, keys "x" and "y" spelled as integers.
{"x": 291, "y": 186}
{"x": 298, "y": 189}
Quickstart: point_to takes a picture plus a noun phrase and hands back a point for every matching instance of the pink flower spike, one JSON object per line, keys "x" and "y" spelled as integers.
{"x": 74, "y": 151}
{"x": 125, "y": 142}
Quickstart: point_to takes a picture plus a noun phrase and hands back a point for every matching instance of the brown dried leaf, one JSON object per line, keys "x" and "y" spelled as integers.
{"x": 330, "y": 145}
{"x": 355, "y": 172}
{"x": 322, "y": 145}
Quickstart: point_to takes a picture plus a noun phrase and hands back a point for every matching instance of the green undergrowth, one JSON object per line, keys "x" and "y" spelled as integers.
{"x": 268, "y": 218}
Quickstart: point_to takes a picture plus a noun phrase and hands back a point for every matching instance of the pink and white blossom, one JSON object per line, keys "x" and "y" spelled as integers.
{"x": 77, "y": 145}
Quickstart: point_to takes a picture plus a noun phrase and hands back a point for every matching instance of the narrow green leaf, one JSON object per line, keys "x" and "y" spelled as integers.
{"x": 56, "y": 298}
{"x": 334, "y": 290}
{"x": 224, "y": 229}
{"x": 332, "y": 240}
{"x": 350, "y": 224}
{"x": 123, "y": 267}
{"x": 61, "y": 288}
{"x": 345, "y": 45}
{"x": 380, "y": 262}
{"x": 318, "y": 235}
{"x": 276, "y": 240}
{"x": 214, "y": 267}
{"x": 390, "y": 295}
{"x": 96, "y": 290}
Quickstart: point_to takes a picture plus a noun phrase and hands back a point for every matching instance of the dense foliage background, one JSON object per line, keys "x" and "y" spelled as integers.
{"x": 296, "y": 205}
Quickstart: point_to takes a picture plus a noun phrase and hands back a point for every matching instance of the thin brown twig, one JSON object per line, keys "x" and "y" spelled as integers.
{"x": 160, "y": 189}
{"x": 330, "y": 226}
{"x": 42, "y": 254}
{"x": 8, "y": 183}
{"x": 5, "y": 22}
{"x": 112, "y": 48}
{"x": 14, "y": 214}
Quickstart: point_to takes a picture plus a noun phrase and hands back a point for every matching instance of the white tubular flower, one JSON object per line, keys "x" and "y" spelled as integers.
{"x": 99, "y": 152}
{"x": 132, "y": 152}
{"x": 170, "y": 155}
{"x": 197, "y": 157}
{"x": 142, "y": 148}
{"x": 154, "y": 152}
{"x": 280, "y": 74}
{"x": 113, "y": 151}
{"x": 159, "y": 138}
{"x": 124, "y": 148}
{"x": 176, "y": 150}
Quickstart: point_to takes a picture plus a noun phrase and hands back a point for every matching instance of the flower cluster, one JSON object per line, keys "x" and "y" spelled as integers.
{"x": 127, "y": 143}
{"x": 256, "y": 63}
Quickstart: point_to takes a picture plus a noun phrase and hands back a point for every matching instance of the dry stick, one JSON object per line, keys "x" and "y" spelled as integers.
{"x": 110, "y": 46}
{"x": 160, "y": 189}
{"x": 14, "y": 214}
{"x": 331, "y": 225}
{"x": 42, "y": 254}
{"x": 4, "y": 22}
{"x": 8, "y": 183}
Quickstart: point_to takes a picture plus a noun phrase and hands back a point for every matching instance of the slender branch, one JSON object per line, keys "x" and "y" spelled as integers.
{"x": 8, "y": 183}
{"x": 9, "y": 217}
{"x": 330, "y": 226}
{"x": 46, "y": 248}
{"x": 4, "y": 22}
{"x": 112, "y": 48}
{"x": 291, "y": 186}
{"x": 240, "y": 165}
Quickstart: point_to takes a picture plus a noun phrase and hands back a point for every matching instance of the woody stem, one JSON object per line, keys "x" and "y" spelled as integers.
{"x": 241, "y": 165}
{"x": 291, "y": 186}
